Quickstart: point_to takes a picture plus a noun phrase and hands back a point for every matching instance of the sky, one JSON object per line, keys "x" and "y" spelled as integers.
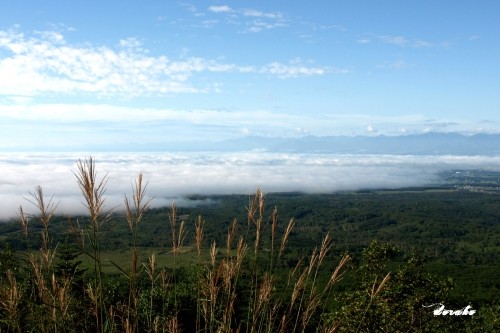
{"x": 81, "y": 78}
{"x": 75, "y": 74}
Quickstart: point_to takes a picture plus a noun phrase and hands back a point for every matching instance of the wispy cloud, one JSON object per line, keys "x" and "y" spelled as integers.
{"x": 396, "y": 40}
{"x": 172, "y": 176}
{"x": 363, "y": 41}
{"x": 259, "y": 25}
{"x": 109, "y": 127}
{"x": 245, "y": 12}
{"x": 292, "y": 70}
{"x": 404, "y": 41}
{"x": 398, "y": 65}
{"x": 220, "y": 9}
{"x": 254, "y": 20}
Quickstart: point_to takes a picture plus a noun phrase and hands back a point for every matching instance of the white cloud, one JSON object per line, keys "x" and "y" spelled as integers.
{"x": 398, "y": 65}
{"x": 292, "y": 70}
{"x": 404, "y": 41}
{"x": 396, "y": 40}
{"x": 421, "y": 43}
{"x": 172, "y": 176}
{"x": 258, "y": 22}
{"x": 220, "y": 9}
{"x": 363, "y": 41}
{"x": 48, "y": 64}
{"x": 371, "y": 129}
{"x": 131, "y": 43}
{"x": 68, "y": 125}
{"x": 257, "y": 13}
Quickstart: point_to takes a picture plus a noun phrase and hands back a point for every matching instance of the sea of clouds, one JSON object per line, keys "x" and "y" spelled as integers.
{"x": 173, "y": 176}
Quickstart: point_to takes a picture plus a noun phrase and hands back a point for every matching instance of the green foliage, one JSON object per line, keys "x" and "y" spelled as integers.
{"x": 8, "y": 261}
{"x": 404, "y": 302}
{"x": 137, "y": 271}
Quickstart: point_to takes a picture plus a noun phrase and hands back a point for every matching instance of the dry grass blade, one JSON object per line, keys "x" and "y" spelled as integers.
{"x": 24, "y": 221}
{"x": 265, "y": 290}
{"x": 213, "y": 253}
{"x": 336, "y": 273}
{"x": 172, "y": 216}
{"x": 181, "y": 236}
{"x": 61, "y": 293}
{"x": 164, "y": 279}
{"x": 326, "y": 245}
{"x": 298, "y": 287}
{"x": 312, "y": 261}
{"x": 311, "y": 307}
{"x": 134, "y": 214}
{"x": 262, "y": 302}
{"x": 275, "y": 222}
{"x": 47, "y": 209}
{"x": 231, "y": 233}
{"x": 260, "y": 195}
{"x": 375, "y": 292}
{"x": 93, "y": 190}
{"x": 286, "y": 235}
{"x": 10, "y": 297}
{"x": 151, "y": 268}
{"x": 199, "y": 233}
{"x": 38, "y": 275}
{"x": 252, "y": 207}
{"x": 241, "y": 252}
{"x": 294, "y": 271}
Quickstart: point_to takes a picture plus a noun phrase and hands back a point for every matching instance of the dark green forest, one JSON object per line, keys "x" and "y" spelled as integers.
{"x": 363, "y": 261}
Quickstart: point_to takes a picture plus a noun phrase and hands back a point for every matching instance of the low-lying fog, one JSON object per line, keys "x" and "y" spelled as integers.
{"x": 172, "y": 176}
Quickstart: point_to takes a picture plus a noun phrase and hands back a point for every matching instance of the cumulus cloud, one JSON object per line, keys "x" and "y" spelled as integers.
{"x": 46, "y": 63}
{"x": 174, "y": 176}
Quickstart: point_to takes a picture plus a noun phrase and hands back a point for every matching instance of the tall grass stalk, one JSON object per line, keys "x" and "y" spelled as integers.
{"x": 178, "y": 237}
{"x": 134, "y": 212}
{"x": 199, "y": 223}
{"x": 93, "y": 191}
{"x": 153, "y": 277}
{"x": 46, "y": 213}
{"x": 10, "y": 298}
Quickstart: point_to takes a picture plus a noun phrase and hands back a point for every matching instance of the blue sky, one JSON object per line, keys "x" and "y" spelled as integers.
{"x": 88, "y": 73}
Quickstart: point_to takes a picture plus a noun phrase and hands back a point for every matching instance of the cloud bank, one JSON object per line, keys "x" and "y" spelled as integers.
{"x": 174, "y": 176}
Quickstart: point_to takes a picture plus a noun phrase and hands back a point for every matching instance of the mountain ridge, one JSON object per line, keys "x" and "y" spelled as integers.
{"x": 415, "y": 144}
{"x": 432, "y": 143}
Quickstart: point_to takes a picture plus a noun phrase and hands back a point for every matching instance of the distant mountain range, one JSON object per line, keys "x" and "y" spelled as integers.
{"x": 422, "y": 144}
{"x": 418, "y": 144}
